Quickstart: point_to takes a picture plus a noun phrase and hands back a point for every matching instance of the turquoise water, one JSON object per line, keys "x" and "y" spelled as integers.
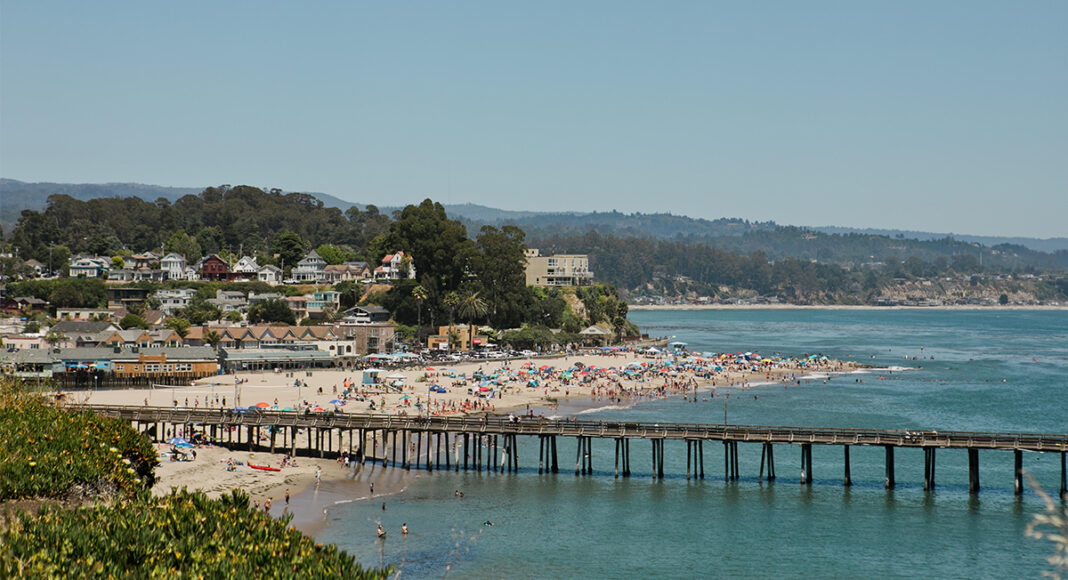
{"x": 990, "y": 371}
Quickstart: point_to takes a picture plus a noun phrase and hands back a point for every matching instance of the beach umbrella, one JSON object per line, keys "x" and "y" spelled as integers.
{"x": 405, "y": 398}
{"x": 429, "y": 368}
{"x": 318, "y": 409}
{"x": 289, "y": 409}
{"x": 337, "y": 402}
{"x": 263, "y": 405}
{"x": 178, "y": 441}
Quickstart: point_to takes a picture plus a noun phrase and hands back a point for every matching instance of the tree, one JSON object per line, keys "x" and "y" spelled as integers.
{"x": 271, "y": 311}
{"x": 178, "y": 325}
{"x": 183, "y": 244}
{"x": 117, "y": 263}
{"x": 132, "y": 321}
{"x": 439, "y": 247}
{"x": 451, "y": 302}
{"x": 54, "y": 337}
{"x": 499, "y": 267}
{"x": 1003, "y": 299}
{"x": 472, "y": 307}
{"x": 332, "y": 254}
{"x": 289, "y": 247}
{"x": 234, "y": 316}
{"x": 212, "y": 338}
{"x": 420, "y": 295}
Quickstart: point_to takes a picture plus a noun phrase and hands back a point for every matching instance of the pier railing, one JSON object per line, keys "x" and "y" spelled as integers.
{"x": 496, "y": 425}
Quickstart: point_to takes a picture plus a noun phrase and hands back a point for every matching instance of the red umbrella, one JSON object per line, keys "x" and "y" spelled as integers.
{"x": 318, "y": 409}
{"x": 263, "y": 405}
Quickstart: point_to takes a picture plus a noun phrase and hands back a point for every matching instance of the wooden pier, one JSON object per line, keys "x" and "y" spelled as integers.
{"x": 491, "y": 443}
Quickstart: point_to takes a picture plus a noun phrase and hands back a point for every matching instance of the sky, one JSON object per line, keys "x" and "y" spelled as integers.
{"x": 947, "y": 116}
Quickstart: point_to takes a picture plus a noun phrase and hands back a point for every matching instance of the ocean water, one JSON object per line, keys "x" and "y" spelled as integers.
{"x": 953, "y": 370}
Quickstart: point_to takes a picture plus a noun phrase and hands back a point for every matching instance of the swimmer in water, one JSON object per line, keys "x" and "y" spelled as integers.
{"x": 404, "y": 529}
{"x": 381, "y": 532}
{"x": 487, "y": 523}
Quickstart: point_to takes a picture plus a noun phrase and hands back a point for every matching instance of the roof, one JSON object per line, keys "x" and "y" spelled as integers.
{"x": 70, "y": 327}
{"x": 181, "y": 353}
{"x": 596, "y": 331}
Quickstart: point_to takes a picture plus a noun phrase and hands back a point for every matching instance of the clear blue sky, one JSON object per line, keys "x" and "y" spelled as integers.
{"x": 944, "y": 116}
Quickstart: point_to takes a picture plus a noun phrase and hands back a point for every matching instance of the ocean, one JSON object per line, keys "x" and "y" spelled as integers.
{"x": 983, "y": 370}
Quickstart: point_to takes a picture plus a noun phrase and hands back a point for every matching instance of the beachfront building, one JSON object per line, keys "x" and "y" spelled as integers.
{"x": 99, "y": 365}
{"x": 558, "y": 269}
{"x": 310, "y": 268}
{"x": 456, "y": 337}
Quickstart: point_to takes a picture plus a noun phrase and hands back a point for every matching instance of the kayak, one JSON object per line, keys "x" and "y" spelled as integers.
{"x": 264, "y": 467}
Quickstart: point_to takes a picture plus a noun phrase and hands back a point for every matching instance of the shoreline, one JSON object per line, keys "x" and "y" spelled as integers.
{"x": 656, "y": 307}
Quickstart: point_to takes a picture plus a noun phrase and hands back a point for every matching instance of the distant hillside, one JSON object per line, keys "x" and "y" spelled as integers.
{"x": 1040, "y": 244}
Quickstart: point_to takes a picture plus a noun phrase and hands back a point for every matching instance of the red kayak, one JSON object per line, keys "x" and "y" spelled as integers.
{"x": 264, "y": 467}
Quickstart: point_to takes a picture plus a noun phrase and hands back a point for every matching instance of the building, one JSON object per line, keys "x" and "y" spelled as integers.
{"x": 175, "y": 299}
{"x": 348, "y": 271}
{"x": 394, "y": 267}
{"x": 174, "y": 265}
{"x": 144, "y": 260}
{"x": 558, "y": 270}
{"x": 310, "y": 268}
{"x": 89, "y": 267}
{"x": 456, "y": 337}
{"x": 214, "y": 268}
{"x": 368, "y": 314}
{"x": 82, "y": 313}
{"x": 124, "y": 297}
{"x": 228, "y": 301}
{"x": 270, "y": 274}
{"x": 246, "y": 268}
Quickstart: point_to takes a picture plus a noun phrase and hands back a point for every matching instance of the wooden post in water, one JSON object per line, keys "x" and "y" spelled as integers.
{"x": 689, "y": 450}
{"x": 555, "y": 467}
{"x": 701, "y": 456}
{"x": 1018, "y": 477}
{"x": 1064, "y": 480}
{"x": 929, "y": 469}
{"x": 618, "y": 445}
{"x": 626, "y": 458}
{"x": 466, "y": 448}
{"x": 973, "y": 470}
{"x": 846, "y": 479}
{"x": 889, "y": 467}
{"x": 541, "y": 453}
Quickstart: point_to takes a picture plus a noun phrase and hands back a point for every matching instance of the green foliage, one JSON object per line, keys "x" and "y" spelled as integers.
{"x": 183, "y": 534}
{"x": 46, "y": 451}
{"x": 63, "y": 292}
{"x": 438, "y": 246}
{"x": 289, "y": 247}
{"x": 271, "y": 311}
{"x": 133, "y": 321}
{"x": 183, "y": 244}
{"x": 332, "y": 254}
{"x": 32, "y": 327}
{"x": 498, "y": 265}
{"x": 178, "y": 324}
{"x": 528, "y": 338}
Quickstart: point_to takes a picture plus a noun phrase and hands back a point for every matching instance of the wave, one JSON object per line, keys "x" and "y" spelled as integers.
{"x": 606, "y": 408}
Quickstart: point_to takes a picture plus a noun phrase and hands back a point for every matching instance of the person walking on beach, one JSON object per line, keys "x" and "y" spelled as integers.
{"x": 287, "y": 496}
{"x": 318, "y": 475}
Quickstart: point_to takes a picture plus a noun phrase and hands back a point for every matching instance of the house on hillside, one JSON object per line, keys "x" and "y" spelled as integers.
{"x": 394, "y": 267}
{"x": 89, "y": 267}
{"x": 270, "y": 274}
{"x": 365, "y": 315}
{"x": 348, "y": 271}
{"x": 228, "y": 301}
{"x": 174, "y": 265}
{"x": 174, "y": 299}
{"x": 214, "y": 268}
{"x": 144, "y": 260}
{"x": 310, "y": 268}
{"x": 246, "y": 268}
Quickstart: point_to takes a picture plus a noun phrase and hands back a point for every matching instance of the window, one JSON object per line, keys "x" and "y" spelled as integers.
{"x": 120, "y": 367}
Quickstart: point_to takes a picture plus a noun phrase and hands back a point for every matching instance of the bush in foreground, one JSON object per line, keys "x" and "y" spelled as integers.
{"x": 182, "y": 534}
{"x": 49, "y": 452}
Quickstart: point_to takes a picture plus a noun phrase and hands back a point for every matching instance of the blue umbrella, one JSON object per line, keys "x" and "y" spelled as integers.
{"x": 337, "y": 402}
{"x": 178, "y": 441}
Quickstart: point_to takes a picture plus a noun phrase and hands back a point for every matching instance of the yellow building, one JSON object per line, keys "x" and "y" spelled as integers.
{"x": 558, "y": 269}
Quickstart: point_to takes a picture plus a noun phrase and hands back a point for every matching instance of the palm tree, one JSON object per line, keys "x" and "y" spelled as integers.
{"x": 451, "y": 301}
{"x": 54, "y": 337}
{"x": 473, "y": 307}
{"x": 212, "y": 337}
{"x": 420, "y": 295}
